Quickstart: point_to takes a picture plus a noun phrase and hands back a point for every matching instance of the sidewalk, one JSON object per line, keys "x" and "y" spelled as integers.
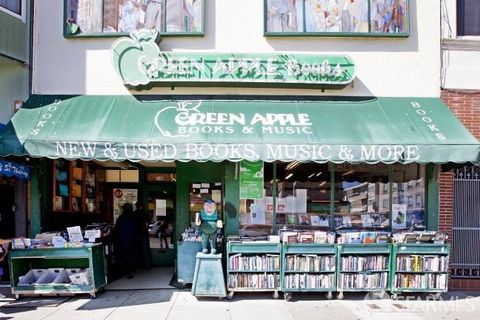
{"x": 174, "y": 304}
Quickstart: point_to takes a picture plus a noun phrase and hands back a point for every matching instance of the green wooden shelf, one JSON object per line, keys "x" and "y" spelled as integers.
{"x": 252, "y": 248}
{"x": 407, "y": 249}
{"x": 90, "y": 257}
{"x": 302, "y": 250}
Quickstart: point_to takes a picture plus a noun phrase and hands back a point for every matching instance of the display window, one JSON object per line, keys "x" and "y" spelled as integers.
{"x": 342, "y": 197}
{"x": 118, "y": 17}
{"x": 337, "y": 17}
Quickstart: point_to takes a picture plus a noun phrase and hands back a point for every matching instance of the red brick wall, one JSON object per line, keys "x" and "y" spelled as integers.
{"x": 466, "y": 106}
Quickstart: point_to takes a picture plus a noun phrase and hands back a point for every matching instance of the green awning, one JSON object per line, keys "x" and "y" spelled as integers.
{"x": 388, "y": 130}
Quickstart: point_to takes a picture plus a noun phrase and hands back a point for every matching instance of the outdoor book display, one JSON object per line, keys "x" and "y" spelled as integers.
{"x": 362, "y": 267}
{"x": 49, "y": 270}
{"x": 358, "y": 262}
{"x": 308, "y": 267}
{"x": 253, "y": 266}
{"x": 419, "y": 268}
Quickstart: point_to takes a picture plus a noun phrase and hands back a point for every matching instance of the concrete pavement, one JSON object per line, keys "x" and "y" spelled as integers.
{"x": 180, "y": 304}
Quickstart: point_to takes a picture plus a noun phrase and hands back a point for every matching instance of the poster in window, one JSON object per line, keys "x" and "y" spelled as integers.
{"x": 345, "y": 16}
{"x": 284, "y": 15}
{"x": 399, "y": 216}
{"x": 184, "y": 16}
{"x": 251, "y": 180}
{"x": 388, "y": 16}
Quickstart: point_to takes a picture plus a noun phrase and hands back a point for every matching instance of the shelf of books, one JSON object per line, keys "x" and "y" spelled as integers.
{"x": 363, "y": 261}
{"x": 308, "y": 267}
{"x": 253, "y": 266}
{"x": 419, "y": 267}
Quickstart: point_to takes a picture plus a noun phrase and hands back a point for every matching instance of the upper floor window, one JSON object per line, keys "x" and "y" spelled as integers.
{"x": 337, "y": 17}
{"x": 468, "y": 17}
{"x": 14, "y": 6}
{"x": 111, "y": 17}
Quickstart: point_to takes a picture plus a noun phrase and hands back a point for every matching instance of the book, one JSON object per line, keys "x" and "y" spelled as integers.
{"x": 367, "y": 220}
{"x": 291, "y": 218}
{"x": 292, "y": 239}
{"x": 304, "y": 219}
{"x": 77, "y": 174}
{"x": 368, "y": 237}
{"x": 305, "y": 238}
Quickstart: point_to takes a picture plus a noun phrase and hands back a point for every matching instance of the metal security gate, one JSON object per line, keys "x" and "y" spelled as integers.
{"x": 466, "y": 223}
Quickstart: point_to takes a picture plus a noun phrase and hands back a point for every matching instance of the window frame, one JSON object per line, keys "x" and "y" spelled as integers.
{"x": 459, "y": 18}
{"x": 66, "y": 34}
{"x": 334, "y": 179}
{"x": 368, "y": 34}
{"x": 21, "y": 16}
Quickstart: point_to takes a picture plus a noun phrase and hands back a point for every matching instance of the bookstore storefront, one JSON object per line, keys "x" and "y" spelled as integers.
{"x": 336, "y": 164}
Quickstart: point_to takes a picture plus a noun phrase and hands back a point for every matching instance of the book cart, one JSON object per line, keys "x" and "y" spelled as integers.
{"x": 39, "y": 271}
{"x": 308, "y": 267}
{"x": 362, "y": 267}
{"x": 253, "y": 266}
{"x": 421, "y": 268}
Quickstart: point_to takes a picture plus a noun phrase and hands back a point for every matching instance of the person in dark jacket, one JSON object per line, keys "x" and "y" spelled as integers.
{"x": 125, "y": 234}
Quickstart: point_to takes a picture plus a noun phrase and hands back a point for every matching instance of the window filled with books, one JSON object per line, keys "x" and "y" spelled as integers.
{"x": 77, "y": 186}
{"x": 344, "y": 197}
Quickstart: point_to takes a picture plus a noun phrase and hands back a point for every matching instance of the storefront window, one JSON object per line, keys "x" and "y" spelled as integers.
{"x": 364, "y": 202}
{"x": 124, "y": 16}
{"x": 361, "y": 198}
{"x": 408, "y": 212}
{"x": 323, "y": 17}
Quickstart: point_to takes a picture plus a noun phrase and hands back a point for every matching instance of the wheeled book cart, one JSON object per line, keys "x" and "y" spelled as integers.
{"x": 362, "y": 268}
{"x": 37, "y": 271}
{"x": 419, "y": 268}
{"x": 308, "y": 267}
{"x": 253, "y": 266}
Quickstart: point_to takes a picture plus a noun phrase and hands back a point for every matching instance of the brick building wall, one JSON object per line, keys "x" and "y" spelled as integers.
{"x": 466, "y": 106}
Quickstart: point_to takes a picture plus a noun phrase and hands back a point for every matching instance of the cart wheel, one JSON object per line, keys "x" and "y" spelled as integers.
{"x": 17, "y": 297}
{"x": 340, "y": 296}
{"x": 329, "y": 295}
{"x": 275, "y": 295}
{"x": 93, "y": 295}
{"x": 230, "y": 295}
{"x": 394, "y": 296}
{"x": 287, "y": 296}
{"x": 436, "y": 296}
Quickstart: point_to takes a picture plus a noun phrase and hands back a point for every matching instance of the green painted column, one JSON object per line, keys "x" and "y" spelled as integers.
{"x": 35, "y": 205}
{"x": 431, "y": 197}
{"x": 231, "y": 215}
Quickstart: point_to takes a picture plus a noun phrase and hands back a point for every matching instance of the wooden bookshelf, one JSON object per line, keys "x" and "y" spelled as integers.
{"x": 75, "y": 186}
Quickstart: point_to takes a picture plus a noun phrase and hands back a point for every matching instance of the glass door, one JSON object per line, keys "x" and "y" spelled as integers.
{"x": 160, "y": 204}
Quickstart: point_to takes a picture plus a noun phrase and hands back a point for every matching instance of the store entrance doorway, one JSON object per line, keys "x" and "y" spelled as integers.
{"x": 7, "y": 211}
{"x": 160, "y": 200}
